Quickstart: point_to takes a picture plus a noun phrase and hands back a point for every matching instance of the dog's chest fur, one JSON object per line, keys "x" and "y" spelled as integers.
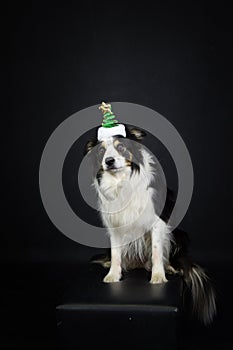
{"x": 127, "y": 210}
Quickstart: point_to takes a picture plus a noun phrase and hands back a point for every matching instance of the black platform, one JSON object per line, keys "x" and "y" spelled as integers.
{"x": 95, "y": 313}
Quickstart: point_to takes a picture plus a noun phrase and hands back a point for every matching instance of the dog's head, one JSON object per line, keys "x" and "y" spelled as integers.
{"x": 117, "y": 153}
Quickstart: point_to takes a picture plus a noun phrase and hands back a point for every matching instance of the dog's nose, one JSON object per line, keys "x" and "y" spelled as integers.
{"x": 109, "y": 161}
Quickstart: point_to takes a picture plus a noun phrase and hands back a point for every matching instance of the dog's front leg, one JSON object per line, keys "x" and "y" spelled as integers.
{"x": 114, "y": 274}
{"x": 158, "y": 272}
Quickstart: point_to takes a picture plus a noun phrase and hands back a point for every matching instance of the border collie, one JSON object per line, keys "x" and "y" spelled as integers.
{"x": 124, "y": 181}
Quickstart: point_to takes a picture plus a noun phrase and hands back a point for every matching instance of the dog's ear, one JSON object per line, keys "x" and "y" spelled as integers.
{"x": 89, "y": 145}
{"x": 137, "y": 134}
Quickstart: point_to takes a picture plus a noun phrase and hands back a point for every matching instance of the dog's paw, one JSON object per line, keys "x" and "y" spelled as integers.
{"x": 157, "y": 278}
{"x": 171, "y": 270}
{"x": 111, "y": 278}
{"x": 107, "y": 264}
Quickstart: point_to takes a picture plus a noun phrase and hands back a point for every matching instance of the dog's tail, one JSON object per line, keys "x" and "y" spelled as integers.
{"x": 195, "y": 280}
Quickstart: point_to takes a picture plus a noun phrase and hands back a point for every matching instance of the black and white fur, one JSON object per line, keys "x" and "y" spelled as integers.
{"x": 139, "y": 237}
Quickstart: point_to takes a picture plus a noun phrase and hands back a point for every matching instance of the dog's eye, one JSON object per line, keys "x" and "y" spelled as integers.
{"x": 120, "y": 147}
{"x": 101, "y": 151}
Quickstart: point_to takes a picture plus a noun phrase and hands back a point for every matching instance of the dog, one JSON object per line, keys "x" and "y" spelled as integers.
{"x": 140, "y": 237}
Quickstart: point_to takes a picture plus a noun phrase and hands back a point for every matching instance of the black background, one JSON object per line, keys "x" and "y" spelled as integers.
{"x": 175, "y": 58}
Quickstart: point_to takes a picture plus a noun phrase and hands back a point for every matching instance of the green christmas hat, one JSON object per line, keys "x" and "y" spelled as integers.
{"x": 110, "y": 126}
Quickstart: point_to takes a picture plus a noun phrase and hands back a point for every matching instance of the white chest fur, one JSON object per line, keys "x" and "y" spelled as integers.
{"x": 126, "y": 203}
